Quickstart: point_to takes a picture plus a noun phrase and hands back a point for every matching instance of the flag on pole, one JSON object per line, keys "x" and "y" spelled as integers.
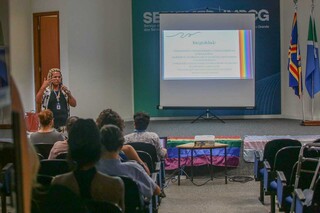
{"x": 294, "y": 60}
{"x": 312, "y": 68}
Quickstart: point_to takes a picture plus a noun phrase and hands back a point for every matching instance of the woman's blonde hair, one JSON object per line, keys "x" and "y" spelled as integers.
{"x": 51, "y": 71}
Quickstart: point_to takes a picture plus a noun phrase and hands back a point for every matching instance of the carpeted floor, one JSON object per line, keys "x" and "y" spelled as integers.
{"x": 215, "y": 196}
{"x": 241, "y": 127}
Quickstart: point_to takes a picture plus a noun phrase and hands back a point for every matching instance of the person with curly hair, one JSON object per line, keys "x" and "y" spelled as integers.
{"x": 55, "y": 96}
{"x": 112, "y": 141}
{"x": 109, "y": 116}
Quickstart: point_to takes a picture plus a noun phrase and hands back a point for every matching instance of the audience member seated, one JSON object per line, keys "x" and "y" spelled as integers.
{"x": 108, "y": 116}
{"x": 46, "y": 133}
{"x": 112, "y": 141}
{"x": 141, "y": 122}
{"x": 85, "y": 180}
{"x": 62, "y": 146}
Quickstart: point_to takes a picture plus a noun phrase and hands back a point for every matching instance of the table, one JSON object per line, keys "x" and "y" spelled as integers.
{"x": 254, "y": 143}
{"x": 192, "y": 147}
{"x": 202, "y": 157}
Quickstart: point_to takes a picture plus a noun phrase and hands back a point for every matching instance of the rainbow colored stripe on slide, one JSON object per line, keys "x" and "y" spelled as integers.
{"x": 245, "y": 39}
{"x": 202, "y": 156}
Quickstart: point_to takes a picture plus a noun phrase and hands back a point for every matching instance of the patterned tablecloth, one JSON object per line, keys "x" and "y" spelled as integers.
{"x": 252, "y": 143}
{"x": 202, "y": 156}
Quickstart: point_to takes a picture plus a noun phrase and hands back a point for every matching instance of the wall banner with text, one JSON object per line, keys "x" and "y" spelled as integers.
{"x": 146, "y": 53}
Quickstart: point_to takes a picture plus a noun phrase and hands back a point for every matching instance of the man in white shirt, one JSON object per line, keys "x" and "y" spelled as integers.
{"x": 141, "y": 122}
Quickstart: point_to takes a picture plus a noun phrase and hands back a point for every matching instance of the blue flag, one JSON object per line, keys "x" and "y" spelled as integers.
{"x": 312, "y": 68}
{"x": 294, "y": 60}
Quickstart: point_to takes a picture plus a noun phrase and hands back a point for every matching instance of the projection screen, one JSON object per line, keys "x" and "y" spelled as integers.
{"x": 207, "y": 60}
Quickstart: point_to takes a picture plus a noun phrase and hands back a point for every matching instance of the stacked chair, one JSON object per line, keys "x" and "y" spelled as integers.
{"x": 314, "y": 201}
{"x": 269, "y": 154}
{"x": 305, "y": 197}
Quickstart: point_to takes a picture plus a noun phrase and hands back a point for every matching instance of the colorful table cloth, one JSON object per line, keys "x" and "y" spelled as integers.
{"x": 202, "y": 156}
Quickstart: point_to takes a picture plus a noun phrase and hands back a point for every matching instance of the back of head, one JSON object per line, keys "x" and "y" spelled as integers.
{"x": 84, "y": 142}
{"x": 45, "y": 117}
{"x": 141, "y": 120}
{"x": 108, "y": 116}
{"x": 70, "y": 121}
{"x": 111, "y": 137}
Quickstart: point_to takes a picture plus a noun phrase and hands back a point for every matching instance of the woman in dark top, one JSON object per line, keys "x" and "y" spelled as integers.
{"x": 85, "y": 181}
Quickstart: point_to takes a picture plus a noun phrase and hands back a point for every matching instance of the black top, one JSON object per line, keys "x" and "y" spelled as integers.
{"x": 58, "y": 108}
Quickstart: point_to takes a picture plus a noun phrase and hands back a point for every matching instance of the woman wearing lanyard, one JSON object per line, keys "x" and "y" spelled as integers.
{"x": 55, "y": 96}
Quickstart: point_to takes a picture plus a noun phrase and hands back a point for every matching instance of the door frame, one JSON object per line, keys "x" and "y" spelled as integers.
{"x": 36, "y": 48}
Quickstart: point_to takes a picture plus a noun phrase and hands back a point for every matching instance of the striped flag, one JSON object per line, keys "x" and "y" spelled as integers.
{"x": 312, "y": 69}
{"x": 294, "y": 61}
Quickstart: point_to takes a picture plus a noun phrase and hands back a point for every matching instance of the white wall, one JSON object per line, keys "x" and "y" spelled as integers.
{"x": 21, "y": 59}
{"x": 96, "y": 48}
{"x": 291, "y": 105}
{"x": 100, "y": 56}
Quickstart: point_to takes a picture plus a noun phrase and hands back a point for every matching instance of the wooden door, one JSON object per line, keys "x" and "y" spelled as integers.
{"x": 46, "y": 46}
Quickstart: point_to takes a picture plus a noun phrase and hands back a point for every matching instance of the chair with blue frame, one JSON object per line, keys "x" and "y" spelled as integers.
{"x": 150, "y": 148}
{"x": 269, "y": 153}
{"x": 301, "y": 177}
{"x": 145, "y": 157}
{"x": 281, "y": 163}
{"x": 134, "y": 200}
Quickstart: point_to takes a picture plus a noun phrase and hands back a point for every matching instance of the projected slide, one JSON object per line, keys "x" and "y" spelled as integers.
{"x": 207, "y": 54}
{"x": 207, "y": 60}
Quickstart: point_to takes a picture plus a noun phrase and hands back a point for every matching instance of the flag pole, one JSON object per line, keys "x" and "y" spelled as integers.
{"x": 300, "y": 78}
{"x": 312, "y": 83}
{"x": 313, "y": 75}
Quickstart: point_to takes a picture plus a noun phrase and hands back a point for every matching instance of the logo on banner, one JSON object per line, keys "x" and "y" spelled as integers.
{"x": 151, "y": 19}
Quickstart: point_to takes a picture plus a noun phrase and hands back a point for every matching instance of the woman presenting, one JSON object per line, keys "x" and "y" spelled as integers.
{"x": 55, "y": 96}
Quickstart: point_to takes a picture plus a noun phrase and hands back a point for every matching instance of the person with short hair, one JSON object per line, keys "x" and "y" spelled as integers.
{"x": 140, "y": 134}
{"x": 112, "y": 141}
{"x": 46, "y": 133}
{"x": 109, "y": 116}
{"x": 55, "y": 96}
{"x": 85, "y": 180}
